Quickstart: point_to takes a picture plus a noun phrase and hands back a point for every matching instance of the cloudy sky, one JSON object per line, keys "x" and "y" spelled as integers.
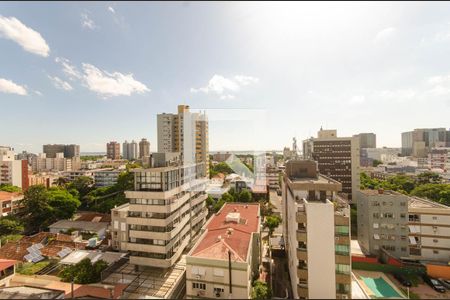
{"x": 88, "y": 73}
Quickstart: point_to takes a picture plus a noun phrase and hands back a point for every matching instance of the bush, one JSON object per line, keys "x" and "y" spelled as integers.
{"x": 84, "y": 272}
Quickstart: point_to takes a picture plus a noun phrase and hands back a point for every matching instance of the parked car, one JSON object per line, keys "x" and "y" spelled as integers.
{"x": 445, "y": 283}
{"x": 402, "y": 279}
{"x": 434, "y": 283}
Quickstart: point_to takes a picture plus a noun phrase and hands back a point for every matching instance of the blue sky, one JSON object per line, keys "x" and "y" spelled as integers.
{"x": 88, "y": 73}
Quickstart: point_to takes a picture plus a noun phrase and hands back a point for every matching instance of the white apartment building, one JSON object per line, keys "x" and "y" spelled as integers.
{"x": 130, "y": 150}
{"x": 225, "y": 259}
{"x": 439, "y": 158}
{"x": 429, "y": 230}
{"x": 165, "y": 213}
{"x": 317, "y": 233}
{"x": 12, "y": 171}
{"x": 42, "y": 163}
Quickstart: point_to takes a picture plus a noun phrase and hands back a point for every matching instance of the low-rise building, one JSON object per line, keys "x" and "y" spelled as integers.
{"x": 7, "y": 270}
{"x": 225, "y": 259}
{"x": 30, "y": 292}
{"x": 316, "y": 230}
{"x": 382, "y": 220}
{"x": 9, "y": 203}
{"x": 83, "y": 227}
{"x": 105, "y": 177}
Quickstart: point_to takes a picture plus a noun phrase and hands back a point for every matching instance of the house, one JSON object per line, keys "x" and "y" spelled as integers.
{"x": 7, "y": 270}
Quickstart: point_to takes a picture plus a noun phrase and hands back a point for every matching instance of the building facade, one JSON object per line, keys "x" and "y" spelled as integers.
{"x": 317, "y": 233}
{"x": 439, "y": 158}
{"x": 69, "y": 151}
{"x": 382, "y": 222}
{"x": 185, "y": 132}
{"x": 41, "y": 163}
{"x": 165, "y": 213}
{"x": 367, "y": 140}
{"x": 10, "y": 203}
{"x": 419, "y": 141}
{"x": 231, "y": 243}
{"x": 144, "y": 148}
{"x": 337, "y": 158}
{"x": 113, "y": 150}
{"x": 130, "y": 150}
{"x": 13, "y": 171}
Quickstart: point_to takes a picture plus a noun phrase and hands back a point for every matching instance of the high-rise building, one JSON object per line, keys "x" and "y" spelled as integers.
{"x": 68, "y": 150}
{"x": 420, "y": 141}
{"x": 125, "y": 150}
{"x": 367, "y": 140}
{"x": 316, "y": 228}
{"x": 144, "y": 148}
{"x": 185, "y": 132}
{"x": 439, "y": 158}
{"x": 130, "y": 150}
{"x": 113, "y": 150}
{"x": 337, "y": 157}
{"x": 13, "y": 171}
{"x": 166, "y": 211}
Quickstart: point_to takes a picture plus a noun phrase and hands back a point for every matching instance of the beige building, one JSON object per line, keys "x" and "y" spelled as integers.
{"x": 165, "y": 213}
{"x": 13, "y": 171}
{"x": 317, "y": 233}
{"x": 144, "y": 148}
{"x": 429, "y": 230}
{"x": 42, "y": 163}
{"x": 337, "y": 157}
{"x": 185, "y": 132}
{"x": 225, "y": 260}
{"x": 113, "y": 150}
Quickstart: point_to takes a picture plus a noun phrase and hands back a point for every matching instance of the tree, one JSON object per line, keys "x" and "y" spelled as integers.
{"x": 376, "y": 162}
{"x": 61, "y": 181}
{"x": 272, "y": 222}
{"x": 10, "y": 225}
{"x": 218, "y": 205}
{"x": 10, "y": 188}
{"x": 209, "y": 201}
{"x": 84, "y": 272}
{"x": 83, "y": 184}
{"x": 261, "y": 291}
{"x": 222, "y": 168}
{"x": 428, "y": 177}
{"x": 245, "y": 196}
{"x": 63, "y": 203}
{"x": 227, "y": 197}
{"x": 434, "y": 191}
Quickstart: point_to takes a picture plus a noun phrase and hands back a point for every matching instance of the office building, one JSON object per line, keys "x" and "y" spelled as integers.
{"x": 144, "y": 148}
{"x": 185, "y": 132}
{"x": 367, "y": 140}
{"x": 337, "y": 157}
{"x": 13, "y": 171}
{"x": 230, "y": 246}
{"x": 419, "y": 142}
{"x": 382, "y": 222}
{"x": 165, "y": 213}
{"x": 316, "y": 228}
{"x": 42, "y": 163}
{"x": 113, "y": 150}
{"x": 69, "y": 151}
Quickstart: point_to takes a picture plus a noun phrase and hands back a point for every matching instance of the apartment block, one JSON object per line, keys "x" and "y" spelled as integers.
{"x": 429, "y": 230}
{"x": 9, "y": 203}
{"x": 69, "y": 151}
{"x": 382, "y": 222}
{"x": 144, "y": 148}
{"x": 226, "y": 257}
{"x": 337, "y": 157}
{"x": 439, "y": 158}
{"x": 130, "y": 150}
{"x": 41, "y": 163}
{"x": 13, "y": 171}
{"x": 105, "y": 177}
{"x": 418, "y": 142}
{"x": 165, "y": 213}
{"x": 317, "y": 233}
{"x": 185, "y": 132}
{"x": 113, "y": 150}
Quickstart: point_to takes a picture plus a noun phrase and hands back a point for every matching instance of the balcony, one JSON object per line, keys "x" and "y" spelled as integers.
{"x": 342, "y": 258}
{"x": 342, "y": 240}
{"x": 302, "y": 254}
{"x": 301, "y": 235}
{"x": 302, "y": 290}
{"x": 301, "y": 217}
{"x": 341, "y": 220}
{"x": 302, "y": 273}
{"x": 343, "y": 278}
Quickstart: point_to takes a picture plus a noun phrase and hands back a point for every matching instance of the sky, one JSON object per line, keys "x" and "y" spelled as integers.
{"x": 92, "y": 72}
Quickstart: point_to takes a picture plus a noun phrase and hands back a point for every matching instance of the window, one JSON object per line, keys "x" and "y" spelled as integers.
{"x": 218, "y": 290}
{"x": 376, "y": 215}
{"x": 198, "y": 285}
{"x": 375, "y": 225}
{"x": 375, "y": 203}
{"x": 435, "y": 252}
{"x": 342, "y": 269}
{"x": 403, "y": 249}
{"x": 342, "y": 230}
{"x": 402, "y": 216}
{"x": 435, "y": 241}
{"x": 342, "y": 249}
{"x": 402, "y": 203}
{"x": 434, "y": 218}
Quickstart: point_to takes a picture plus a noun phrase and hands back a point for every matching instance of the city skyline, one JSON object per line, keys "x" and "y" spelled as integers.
{"x": 91, "y": 73}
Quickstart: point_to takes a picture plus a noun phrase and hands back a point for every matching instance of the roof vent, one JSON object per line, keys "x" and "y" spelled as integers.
{"x": 233, "y": 217}
{"x": 219, "y": 238}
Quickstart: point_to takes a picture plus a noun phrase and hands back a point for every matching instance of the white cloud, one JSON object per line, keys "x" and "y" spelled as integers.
{"x": 385, "y": 35}
{"x": 225, "y": 87}
{"x": 358, "y": 99}
{"x": 60, "y": 84}
{"x": 87, "y": 22}
{"x": 69, "y": 69}
{"x": 111, "y": 9}
{"x": 7, "y": 86}
{"x": 27, "y": 38}
{"x": 38, "y": 93}
{"x": 111, "y": 84}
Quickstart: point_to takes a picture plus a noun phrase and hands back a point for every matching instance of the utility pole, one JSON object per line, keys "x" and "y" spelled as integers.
{"x": 229, "y": 271}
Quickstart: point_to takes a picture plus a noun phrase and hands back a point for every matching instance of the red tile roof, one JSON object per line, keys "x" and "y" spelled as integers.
{"x": 237, "y": 240}
{"x": 90, "y": 216}
{"x": 6, "y": 263}
{"x": 5, "y": 196}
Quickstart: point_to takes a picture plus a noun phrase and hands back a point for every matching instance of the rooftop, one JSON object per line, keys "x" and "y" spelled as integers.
{"x": 5, "y": 196}
{"x": 6, "y": 263}
{"x": 28, "y": 292}
{"x": 416, "y": 202}
{"x": 379, "y": 192}
{"x": 78, "y": 255}
{"x": 229, "y": 230}
{"x": 94, "y": 217}
{"x": 79, "y": 225}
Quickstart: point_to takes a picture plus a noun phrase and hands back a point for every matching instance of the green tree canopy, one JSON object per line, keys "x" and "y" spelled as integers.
{"x": 428, "y": 177}
{"x": 272, "y": 222}
{"x": 83, "y": 184}
{"x": 261, "y": 291}
{"x": 10, "y": 225}
{"x": 376, "y": 162}
{"x": 245, "y": 196}
{"x": 10, "y": 188}
{"x": 84, "y": 272}
{"x": 434, "y": 191}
